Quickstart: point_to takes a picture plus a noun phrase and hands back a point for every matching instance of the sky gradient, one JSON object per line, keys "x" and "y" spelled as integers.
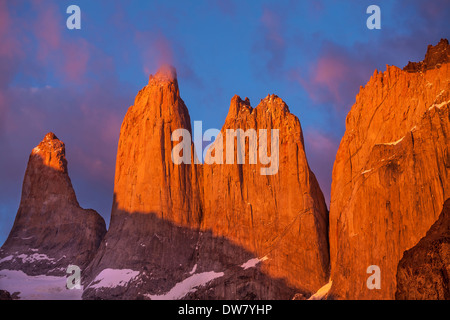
{"x": 79, "y": 83}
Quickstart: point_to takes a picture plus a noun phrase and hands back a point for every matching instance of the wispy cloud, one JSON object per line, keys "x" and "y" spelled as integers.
{"x": 271, "y": 45}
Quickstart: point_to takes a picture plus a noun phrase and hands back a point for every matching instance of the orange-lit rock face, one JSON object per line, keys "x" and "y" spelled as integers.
{"x": 281, "y": 217}
{"x": 170, "y": 219}
{"x": 391, "y": 176}
{"x": 146, "y": 179}
{"x": 49, "y": 220}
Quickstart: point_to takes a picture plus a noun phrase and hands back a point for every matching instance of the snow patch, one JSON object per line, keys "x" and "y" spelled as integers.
{"x": 37, "y": 287}
{"x": 440, "y": 105}
{"x": 193, "y": 269}
{"x": 186, "y": 286}
{"x": 8, "y": 258}
{"x": 367, "y": 171}
{"x": 34, "y": 257}
{"x": 322, "y": 292}
{"x": 111, "y": 278}
{"x": 253, "y": 262}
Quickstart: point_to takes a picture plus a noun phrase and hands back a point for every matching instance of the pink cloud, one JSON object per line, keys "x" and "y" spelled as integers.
{"x": 336, "y": 75}
{"x": 87, "y": 119}
{"x": 272, "y": 21}
{"x": 46, "y": 28}
{"x": 162, "y": 50}
{"x": 10, "y": 45}
{"x": 330, "y": 72}
{"x": 76, "y": 58}
{"x": 156, "y": 50}
{"x": 68, "y": 58}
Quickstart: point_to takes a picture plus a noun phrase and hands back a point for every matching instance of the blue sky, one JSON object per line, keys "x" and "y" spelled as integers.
{"x": 79, "y": 83}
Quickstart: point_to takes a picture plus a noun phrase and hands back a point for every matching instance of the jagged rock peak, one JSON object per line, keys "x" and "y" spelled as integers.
{"x": 435, "y": 56}
{"x": 51, "y": 230}
{"x": 274, "y": 100}
{"x": 272, "y": 104}
{"x": 238, "y": 105}
{"x": 238, "y": 99}
{"x": 50, "y": 136}
{"x": 50, "y": 141}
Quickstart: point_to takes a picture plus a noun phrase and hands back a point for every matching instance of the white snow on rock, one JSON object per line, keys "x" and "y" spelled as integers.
{"x": 394, "y": 143}
{"x": 34, "y": 257}
{"x": 440, "y": 105}
{"x": 111, "y": 278}
{"x": 37, "y": 287}
{"x": 186, "y": 286}
{"x": 28, "y": 258}
{"x": 252, "y": 262}
{"x": 322, "y": 292}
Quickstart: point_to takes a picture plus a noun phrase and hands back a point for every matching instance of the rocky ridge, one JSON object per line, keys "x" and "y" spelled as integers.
{"x": 170, "y": 219}
{"x": 391, "y": 174}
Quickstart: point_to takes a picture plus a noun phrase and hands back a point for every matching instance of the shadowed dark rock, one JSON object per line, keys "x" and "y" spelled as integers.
{"x": 424, "y": 271}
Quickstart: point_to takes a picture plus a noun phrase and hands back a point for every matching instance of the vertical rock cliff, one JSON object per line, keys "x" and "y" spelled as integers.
{"x": 51, "y": 230}
{"x": 147, "y": 180}
{"x": 391, "y": 174}
{"x": 157, "y": 204}
{"x": 176, "y": 234}
{"x": 281, "y": 216}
